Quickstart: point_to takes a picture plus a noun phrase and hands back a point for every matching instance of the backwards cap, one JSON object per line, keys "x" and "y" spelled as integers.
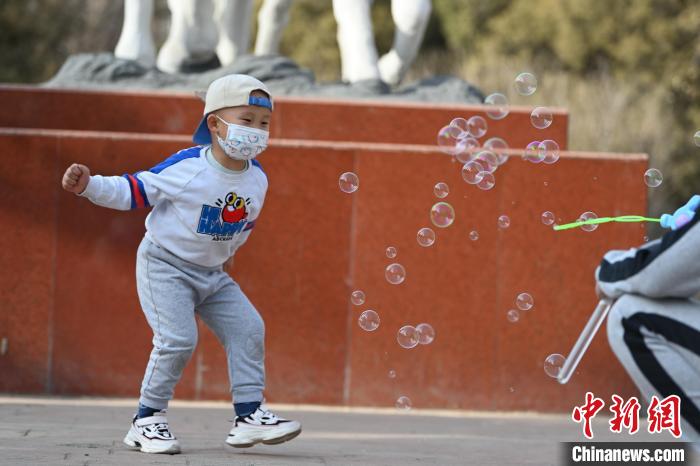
{"x": 232, "y": 90}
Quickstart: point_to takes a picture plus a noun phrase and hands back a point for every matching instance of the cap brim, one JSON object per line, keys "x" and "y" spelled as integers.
{"x": 202, "y": 135}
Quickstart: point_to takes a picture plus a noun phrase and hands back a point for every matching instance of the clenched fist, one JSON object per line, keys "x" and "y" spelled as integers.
{"x": 76, "y": 178}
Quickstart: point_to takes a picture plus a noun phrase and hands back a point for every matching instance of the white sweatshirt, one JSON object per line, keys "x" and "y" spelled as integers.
{"x": 202, "y": 213}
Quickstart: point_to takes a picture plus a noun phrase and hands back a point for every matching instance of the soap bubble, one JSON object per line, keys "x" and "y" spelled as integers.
{"x": 477, "y": 126}
{"x": 587, "y": 216}
{"x": 503, "y": 221}
{"x": 487, "y": 182}
{"x": 653, "y": 177}
{"x": 462, "y": 127}
{"x": 395, "y": 273}
{"x": 426, "y": 333}
{"x": 547, "y": 218}
{"x": 548, "y": 151}
{"x": 403, "y": 402}
{"x": 488, "y": 160}
{"x": 447, "y": 139}
{"x": 532, "y": 152}
{"x": 472, "y": 172}
{"x": 466, "y": 148}
{"x": 498, "y": 106}
{"x": 349, "y": 182}
{"x": 524, "y": 301}
{"x": 473, "y": 235}
{"x": 442, "y": 214}
{"x": 357, "y": 297}
{"x": 541, "y": 117}
{"x": 407, "y": 336}
{"x": 426, "y": 237}
{"x": 392, "y": 374}
{"x": 553, "y": 364}
{"x": 391, "y": 252}
{"x": 513, "y": 315}
{"x": 525, "y": 84}
{"x": 369, "y": 321}
{"x": 499, "y": 147}
{"x": 696, "y": 138}
{"x": 441, "y": 190}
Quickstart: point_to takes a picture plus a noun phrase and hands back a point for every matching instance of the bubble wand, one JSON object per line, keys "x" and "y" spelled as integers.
{"x": 598, "y": 221}
{"x": 584, "y": 340}
{"x": 673, "y": 221}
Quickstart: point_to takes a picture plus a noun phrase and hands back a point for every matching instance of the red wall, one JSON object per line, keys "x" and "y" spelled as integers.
{"x": 74, "y": 326}
{"x": 294, "y": 118}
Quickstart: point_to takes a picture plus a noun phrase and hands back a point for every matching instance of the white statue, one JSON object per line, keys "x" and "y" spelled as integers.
{"x": 358, "y": 51}
{"x": 272, "y": 19}
{"x": 201, "y": 29}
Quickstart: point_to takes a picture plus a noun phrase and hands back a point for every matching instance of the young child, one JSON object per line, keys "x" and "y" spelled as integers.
{"x": 205, "y": 201}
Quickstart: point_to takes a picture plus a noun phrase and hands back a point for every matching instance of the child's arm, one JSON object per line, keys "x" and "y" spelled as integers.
{"x": 142, "y": 189}
{"x": 665, "y": 268}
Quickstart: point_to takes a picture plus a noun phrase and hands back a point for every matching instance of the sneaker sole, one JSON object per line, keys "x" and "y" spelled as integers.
{"x": 134, "y": 444}
{"x": 274, "y": 441}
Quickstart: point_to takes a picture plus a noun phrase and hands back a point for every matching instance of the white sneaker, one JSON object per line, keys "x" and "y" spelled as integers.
{"x": 261, "y": 426}
{"x": 152, "y": 435}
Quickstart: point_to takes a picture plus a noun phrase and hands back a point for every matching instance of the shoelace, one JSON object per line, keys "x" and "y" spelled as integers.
{"x": 160, "y": 428}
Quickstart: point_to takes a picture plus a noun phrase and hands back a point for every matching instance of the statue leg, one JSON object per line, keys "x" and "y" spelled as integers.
{"x": 192, "y": 39}
{"x": 233, "y": 18}
{"x": 358, "y": 53}
{"x": 410, "y": 18}
{"x": 136, "y": 41}
{"x": 272, "y": 19}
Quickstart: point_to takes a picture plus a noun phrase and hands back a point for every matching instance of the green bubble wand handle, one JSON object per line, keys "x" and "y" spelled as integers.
{"x": 584, "y": 340}
{"x": 598, "y": 221}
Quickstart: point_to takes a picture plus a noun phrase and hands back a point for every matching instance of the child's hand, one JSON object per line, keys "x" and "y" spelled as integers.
{"x": 76, "y": 178}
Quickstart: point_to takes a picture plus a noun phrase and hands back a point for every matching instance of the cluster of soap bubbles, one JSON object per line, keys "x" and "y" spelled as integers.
{"x": 546, "y": 151}
{"x": 524, "y": 302}
{"x": 409, "y": 336}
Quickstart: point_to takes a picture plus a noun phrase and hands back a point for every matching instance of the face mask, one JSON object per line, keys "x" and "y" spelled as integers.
{"x": 242, "y": 142}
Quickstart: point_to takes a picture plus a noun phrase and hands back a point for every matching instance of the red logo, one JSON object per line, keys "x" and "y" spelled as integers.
{"x": 625, "y": 415}
{"x": 586, "y": 412}
{"x": 665, "y": 415}
{"x": 662, "y": 414}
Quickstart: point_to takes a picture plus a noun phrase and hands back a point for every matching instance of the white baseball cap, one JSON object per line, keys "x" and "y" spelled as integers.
{"x": 232, "y": 90}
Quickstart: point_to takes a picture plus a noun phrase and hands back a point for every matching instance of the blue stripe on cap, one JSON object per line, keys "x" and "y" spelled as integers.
{"x": 260, "y": 102}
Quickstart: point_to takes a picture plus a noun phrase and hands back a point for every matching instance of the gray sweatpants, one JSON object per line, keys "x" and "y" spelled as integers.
{"x": 171, "y": 292}
{"x": 658, "y": 343}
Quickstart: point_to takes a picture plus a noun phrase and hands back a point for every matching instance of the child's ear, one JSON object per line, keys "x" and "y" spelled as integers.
{"x": 212, "y": 122}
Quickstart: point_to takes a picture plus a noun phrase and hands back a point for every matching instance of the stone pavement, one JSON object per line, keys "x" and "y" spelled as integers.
{"x": 36, "y": 431}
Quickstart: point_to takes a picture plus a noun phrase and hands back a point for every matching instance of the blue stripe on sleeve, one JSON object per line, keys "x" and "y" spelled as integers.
{"x": 131, "y": 188}
{"x": 192, "y": 152}
{"x": 142, "y": 189}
